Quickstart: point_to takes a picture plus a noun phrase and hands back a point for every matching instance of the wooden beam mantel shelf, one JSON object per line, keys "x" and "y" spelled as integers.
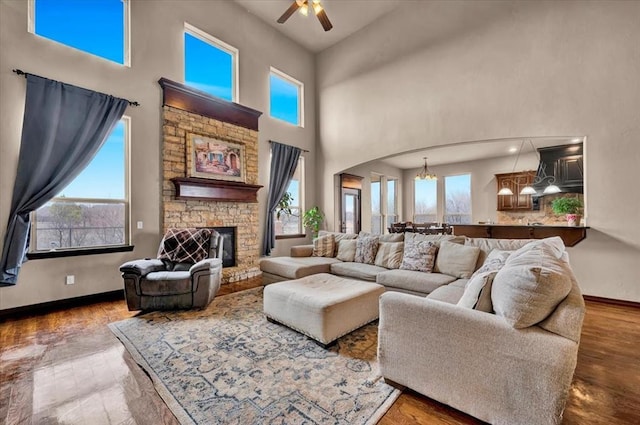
{"x": 214, "y": 190}
{"x": 570, "y": 235}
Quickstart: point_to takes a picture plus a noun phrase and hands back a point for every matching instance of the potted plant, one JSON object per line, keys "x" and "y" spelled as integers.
{"x": 569, "y": 206}
{"x": 312, "y": 219}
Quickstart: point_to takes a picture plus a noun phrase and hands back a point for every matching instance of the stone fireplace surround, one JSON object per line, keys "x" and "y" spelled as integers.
{"x": 210, "y": 203}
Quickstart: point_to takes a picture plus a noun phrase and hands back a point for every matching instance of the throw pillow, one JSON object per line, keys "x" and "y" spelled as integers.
{"x": 419, "y": 256}
{"x": 389, "y": 255}
{"x": 324, "y": 246}
{"x": 184, "y": 245}
{"x": 347, "y": 250}
{"x": 494, "y": 262}
{"x": 529, "y": 287}
{"x": 457, "y": 260}
{"x": 477, "y": 293}
{"x": 339, "y": 237}
{"x": 366, "y": 249}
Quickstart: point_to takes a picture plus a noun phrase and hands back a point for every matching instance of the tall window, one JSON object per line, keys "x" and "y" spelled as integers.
{"x": 392, "y": 201}
{"x": 286, "y": 98}
{"x": 210, "y": 65}
{"x": 457, "y": 207}
{"x": 99, "y": 27}
{"x": 93, "y": 210}
{"x": 425, "y": 201}
{"x": 291, "y": 224}
{"x": 376, "y": 204}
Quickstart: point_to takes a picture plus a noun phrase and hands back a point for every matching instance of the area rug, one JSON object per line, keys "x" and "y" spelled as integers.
{"x": 228, "y": 365}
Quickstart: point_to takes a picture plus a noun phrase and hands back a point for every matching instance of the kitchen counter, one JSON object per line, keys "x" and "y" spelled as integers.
{"x": 571, "y": 235}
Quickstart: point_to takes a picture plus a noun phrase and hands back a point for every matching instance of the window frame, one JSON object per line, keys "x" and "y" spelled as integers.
{"x": 295, "y": 82}
{"x": 93, "y": 249}
{"x": 395, "y": 212}
{"x": 301, "y": 207}
{"x": 380, "y": 216}
{"x": 126, "y": 15}
{"x": 220, "y": 45}
{"x": 444, "y": 198}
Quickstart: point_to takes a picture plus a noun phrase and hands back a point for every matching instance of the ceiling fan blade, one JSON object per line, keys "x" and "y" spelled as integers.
{"x": 287, "y": 14}
{"x": 324, "y": 20}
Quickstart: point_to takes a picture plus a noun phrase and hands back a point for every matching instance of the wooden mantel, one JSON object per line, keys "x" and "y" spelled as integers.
{"x": 570, "y": 235}
{"x": 190, "y": 188}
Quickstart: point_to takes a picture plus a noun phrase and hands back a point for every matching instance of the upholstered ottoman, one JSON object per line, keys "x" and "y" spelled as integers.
{"x": 322, "y": 306}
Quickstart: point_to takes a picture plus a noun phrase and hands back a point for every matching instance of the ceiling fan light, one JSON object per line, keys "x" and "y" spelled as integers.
{"x": 552, "y": 188}
{"x": 300, "y": 2}
{"x": 304, "y": 9}
{"x": 505, "y": 191}
{"x": 528, "y": 190}
{"x": 317, "y": 7}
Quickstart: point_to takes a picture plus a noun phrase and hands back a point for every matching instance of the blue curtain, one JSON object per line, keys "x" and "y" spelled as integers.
{"x": 64, "y": 127}
{"x": 284, "y": 160}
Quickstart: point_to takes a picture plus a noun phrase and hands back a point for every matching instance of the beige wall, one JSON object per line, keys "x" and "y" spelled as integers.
{"x": 157, "y": 51}
{"x": 434, "y": 73}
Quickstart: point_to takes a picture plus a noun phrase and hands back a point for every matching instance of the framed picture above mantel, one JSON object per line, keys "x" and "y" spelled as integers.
{"x": 215, "y": 159}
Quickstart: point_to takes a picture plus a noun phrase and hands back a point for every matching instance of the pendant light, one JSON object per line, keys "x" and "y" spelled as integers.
{"x": 505, "y": 190}
{"x": 550, "y": 189}
{"x": 425, "y": 174}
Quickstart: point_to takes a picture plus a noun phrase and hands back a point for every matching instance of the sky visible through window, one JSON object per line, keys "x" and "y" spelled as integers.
{"x": 284, "y": 99}
{"x": 93, "y": 26}
{"x": 207, "y": 67}
{"x": 104, "y": 176}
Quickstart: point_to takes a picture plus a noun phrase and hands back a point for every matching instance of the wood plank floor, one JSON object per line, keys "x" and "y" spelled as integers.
{"x": 65, "y": 367}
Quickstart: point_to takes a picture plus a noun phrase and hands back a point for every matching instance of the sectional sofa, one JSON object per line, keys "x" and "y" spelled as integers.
{"x": 492, "y": 329}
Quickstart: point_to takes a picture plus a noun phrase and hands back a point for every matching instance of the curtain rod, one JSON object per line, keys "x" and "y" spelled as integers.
{"x": 21, "y": 72}
{"x": 303, "y": 150}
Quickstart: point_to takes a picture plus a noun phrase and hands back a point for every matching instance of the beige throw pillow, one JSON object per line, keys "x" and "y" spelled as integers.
{"x": 366, "y": 249}
{"x": 339, "y": 237}
{"x": 477, "y": 293}
{"x": 324, "y": 246}
{"x": 457, "y": 260}
{"x": 530, "y": 285}
{"x": 419, "y": 256}
{"x": 347, "y": 250}
{"x": 389, "y": 255}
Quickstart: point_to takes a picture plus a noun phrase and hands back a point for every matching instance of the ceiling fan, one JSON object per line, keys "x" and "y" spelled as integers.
{"x": 303, "y": 5}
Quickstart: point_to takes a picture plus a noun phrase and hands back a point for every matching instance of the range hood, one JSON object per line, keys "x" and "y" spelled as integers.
{"x": 561, "y": 166}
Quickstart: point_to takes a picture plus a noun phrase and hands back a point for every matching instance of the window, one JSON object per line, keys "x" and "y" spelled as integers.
{"x": 291, "y": 224}
{"x": 426, "y": 201}
{"x": 392, "y": 201}
{"x": 457, "y": 207}
{"x": 210, "y": 65}
{"x": 286, "y": 98}
{"x": 376, "y": 204}
{"x": 98, "y": 27}
{"x": 93, "y": 210}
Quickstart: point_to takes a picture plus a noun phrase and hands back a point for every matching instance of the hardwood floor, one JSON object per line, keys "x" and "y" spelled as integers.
{"x": 66, "y": 367}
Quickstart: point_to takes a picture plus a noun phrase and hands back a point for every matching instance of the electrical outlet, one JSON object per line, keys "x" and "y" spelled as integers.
{"x": 140, "y": 225}
{"x": 71, "y": 279}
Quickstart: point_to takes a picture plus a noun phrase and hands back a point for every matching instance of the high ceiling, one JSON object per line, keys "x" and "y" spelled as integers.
{"x": 347, "y": 17}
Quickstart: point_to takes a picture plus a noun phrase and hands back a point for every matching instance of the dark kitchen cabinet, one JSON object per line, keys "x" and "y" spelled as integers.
{"x": 516, "y": 182}
{"x": 562, "y": 166}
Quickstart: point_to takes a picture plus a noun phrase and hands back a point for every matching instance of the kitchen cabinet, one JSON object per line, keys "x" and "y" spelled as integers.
{"x": 562, "y": 166}
{"x": 516, "y": 182}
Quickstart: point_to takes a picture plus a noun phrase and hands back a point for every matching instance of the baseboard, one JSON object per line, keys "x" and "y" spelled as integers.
{"x": 623, "y": 303}
{"x": 35, "y": 309}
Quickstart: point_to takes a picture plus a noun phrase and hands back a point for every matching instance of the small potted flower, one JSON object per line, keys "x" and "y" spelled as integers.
{"x": 569, "y": 206}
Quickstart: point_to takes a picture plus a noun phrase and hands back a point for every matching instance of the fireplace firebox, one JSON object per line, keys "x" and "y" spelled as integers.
{"x": 228, "y": 234}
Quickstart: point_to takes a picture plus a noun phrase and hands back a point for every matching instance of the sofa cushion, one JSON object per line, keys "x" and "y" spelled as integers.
{"x": 184, "y": 245}
{"x": 166, "y": 283}
{"x": 357, "y": 270}
{"x": 366, "y": 249}
{"x": 419, "y": 256}
{"x": 436, "y": 239}
{"x": 389, "y": 255}
{"x": 494, "y": 261}
{"x": 457, "y": 260}
{"x": 339, "y": 237}
{"x": 477, "y": 294}
{"x": 296, "y": 267}
{"x": 487, "y": 245}
{"x": 389, "y": 237}
{"x": 530, "y": 285}
{"x": 410, "y": 280}
{"x": 301, "y": 251}
{"x": 324, "y": 246}
{"x": 447, "y": 294}
{"x": 347, "y": 250}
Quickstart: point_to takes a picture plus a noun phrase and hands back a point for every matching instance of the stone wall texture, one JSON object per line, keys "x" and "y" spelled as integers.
{"x": 195, "y": 213}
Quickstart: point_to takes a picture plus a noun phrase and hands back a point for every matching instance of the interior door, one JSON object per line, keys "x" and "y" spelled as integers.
{"x": 350, "y": 210}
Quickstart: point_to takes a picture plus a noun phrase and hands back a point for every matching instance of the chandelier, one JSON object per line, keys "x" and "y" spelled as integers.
{"x": 425, "y": 174}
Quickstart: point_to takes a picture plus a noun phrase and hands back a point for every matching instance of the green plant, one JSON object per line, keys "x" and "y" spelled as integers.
{"x": 312, "y": 219}
{"x": 566, "y": 205}
{"x": 284, "y": 206}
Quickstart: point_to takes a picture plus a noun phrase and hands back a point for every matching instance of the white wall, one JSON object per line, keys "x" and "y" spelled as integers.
{"x": 434, "y": 73}
{"x": 157, "y": 51}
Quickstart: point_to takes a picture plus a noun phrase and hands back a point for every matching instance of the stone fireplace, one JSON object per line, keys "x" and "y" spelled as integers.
{"x": 198, "y": 202}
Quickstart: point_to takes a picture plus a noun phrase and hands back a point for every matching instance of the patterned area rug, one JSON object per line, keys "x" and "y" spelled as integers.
{"x": 228, "y": 365}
